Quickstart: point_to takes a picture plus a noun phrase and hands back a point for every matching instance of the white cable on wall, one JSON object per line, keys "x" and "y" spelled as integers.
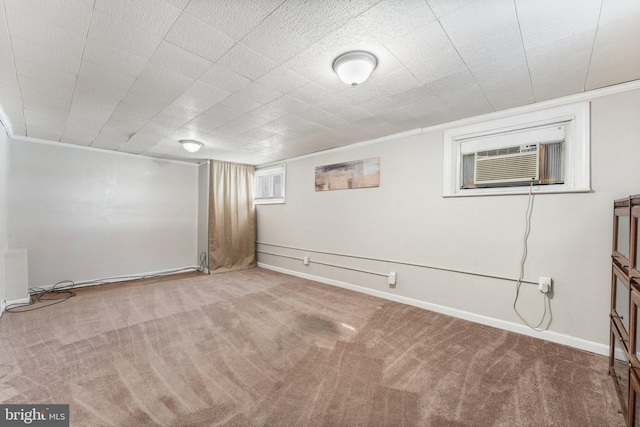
{"x": 545, "y": 297}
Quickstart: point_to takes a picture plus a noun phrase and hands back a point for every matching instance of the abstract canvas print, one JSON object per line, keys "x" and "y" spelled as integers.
{"x": 357, "y": 174}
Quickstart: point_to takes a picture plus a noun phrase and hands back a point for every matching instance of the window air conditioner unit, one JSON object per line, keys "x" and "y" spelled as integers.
{"x": 507, "y": 165}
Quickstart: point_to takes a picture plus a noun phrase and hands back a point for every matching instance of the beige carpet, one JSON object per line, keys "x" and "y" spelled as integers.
{"x": 258, "y": 348}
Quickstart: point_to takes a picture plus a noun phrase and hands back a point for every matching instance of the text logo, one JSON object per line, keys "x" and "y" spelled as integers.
{"x": 34, "y": 415}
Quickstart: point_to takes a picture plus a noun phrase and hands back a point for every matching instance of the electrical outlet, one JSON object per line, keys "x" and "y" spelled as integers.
{"x": 544, "y": 284}
{"x": 306, "y": 260}
{"x": 392, "y": 279}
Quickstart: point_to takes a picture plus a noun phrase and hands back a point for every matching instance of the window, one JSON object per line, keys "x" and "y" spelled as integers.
{"x": 269, "y": 185}
{"x": 549, "y": 148}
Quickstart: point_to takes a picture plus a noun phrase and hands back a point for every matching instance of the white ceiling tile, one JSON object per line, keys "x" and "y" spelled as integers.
{"x": 46, "y": 132}
{"x": 154, "y": 16}
{"x": 197, "y": 105}
{"x": 259, "y": 134}
{"x": 113, "y": 58}
{"x": 159, "y": 83}
{"x": 458, "y": 89}
{"x": 287, "y": 105}
{"x": 567, "y": 56}
{"x": 474, "y": 106}
{"x": 268, "y": 5}
{"x": 76, "y": 127}
{"x": 84, "y": 110}
{"x": 241, "y": 103}
{"x": 68, "y": 14}
{"x": 180, "y": 4}
{"x": 259, "y": 92}
{"x": 247, "y": 105}
{"x": 614, "y": 10}
{"x": 390, "y": 20}
{"x": 116, "y": 33}
{"x": 207, "y": 92}
{"x": 90, "y": 88}
{"x": 557, "y": 86}
{"x": 44, "y": 33}
{"x": 282, "y": 80}
{"x": 224, "y": 78}
{"x": 274, "y": 41}
{"x": 131, "y": 114}
{"x": 145, "y": 102}
{"x": 313, "y": 20}
{"x": 180, "y": 60}
{"x": 52, "y": 58}
{"x": 312, "y": 94}
{"x": 616, "y": 53}
{"x": 397, "y": 82}
{"x": 311, "y": 63}
{"x": 199, "y": 38}
{"x": 356, "y": 7}
{"x": 107, "y": 143}
{"x": 37, "y": 118}
{"x": 175, "y": 116}
{"x": 548, "y": 20}
{"x": 246, "y": 62}
{"x": 75, "y": 139}
{"x": 39, "y": 86}
{"x": 485, "y": 32}
{"x": 428, "y": 53}
{"x": 105, "y": 76}
{"x": 46, "y": 103}
{"x": 444, "y": 7}
{"x": 234, "y": 19}
{"x": 133, "y": 148}
{"x": 45, "y": 74}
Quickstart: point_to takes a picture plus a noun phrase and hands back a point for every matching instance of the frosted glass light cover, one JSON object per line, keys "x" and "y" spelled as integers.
{"x": 354, "y": 68}
{"x": 191, "y": 145}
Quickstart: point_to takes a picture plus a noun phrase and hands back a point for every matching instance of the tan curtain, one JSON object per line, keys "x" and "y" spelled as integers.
{"x": 232, "y": 227}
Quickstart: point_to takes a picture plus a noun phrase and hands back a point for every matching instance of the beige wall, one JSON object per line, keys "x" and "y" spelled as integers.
{"x": 85, "y": 214}
{"x": 407, "y": 219}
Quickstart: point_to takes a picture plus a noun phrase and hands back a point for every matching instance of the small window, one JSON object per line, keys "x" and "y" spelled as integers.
{"x": 548, "y": 149}
{"x": 269, "y": 185}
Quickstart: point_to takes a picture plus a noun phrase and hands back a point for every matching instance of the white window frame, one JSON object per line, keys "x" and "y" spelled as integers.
{"x": 577, "y": 156}
{"x": 276, "y": 170}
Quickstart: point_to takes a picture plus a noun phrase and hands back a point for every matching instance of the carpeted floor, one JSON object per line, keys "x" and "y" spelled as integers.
{"x": 259, "y": 348}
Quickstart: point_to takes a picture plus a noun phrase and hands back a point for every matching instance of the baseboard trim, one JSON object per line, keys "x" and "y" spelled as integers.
{"x": 20, "y": 301}
{"x": 128, "y": 277}
{"x": 551, "y": 336}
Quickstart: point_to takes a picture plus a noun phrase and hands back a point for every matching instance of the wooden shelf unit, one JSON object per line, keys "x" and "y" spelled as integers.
{"x": 624, "y": 354}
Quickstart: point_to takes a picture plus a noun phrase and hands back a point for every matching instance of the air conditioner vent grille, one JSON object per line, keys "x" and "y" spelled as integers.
{"x": 516, "y": 167}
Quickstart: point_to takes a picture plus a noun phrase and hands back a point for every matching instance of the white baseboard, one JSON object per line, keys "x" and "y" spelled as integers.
{"x": 555, "y": 337}
{"x": 20, "y": 301}
{"x": 128, "y": 277}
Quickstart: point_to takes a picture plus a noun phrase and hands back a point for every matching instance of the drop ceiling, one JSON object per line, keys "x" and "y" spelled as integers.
{"x": 253, "y": 80}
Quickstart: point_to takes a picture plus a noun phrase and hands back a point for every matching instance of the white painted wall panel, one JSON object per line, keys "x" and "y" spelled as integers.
{"x": 407, "y": 219}
{"x": 203, "y": 210}
{"x": 4, "y": 210}
{"x": 85, "y": 215}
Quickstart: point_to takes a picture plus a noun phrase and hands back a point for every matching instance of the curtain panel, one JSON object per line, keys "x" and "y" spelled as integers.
{"x": 232, "y": 229}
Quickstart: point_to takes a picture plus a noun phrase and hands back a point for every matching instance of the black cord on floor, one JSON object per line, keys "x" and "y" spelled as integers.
{"x": 204, "y": 263}
{"x": 63, "y": 289}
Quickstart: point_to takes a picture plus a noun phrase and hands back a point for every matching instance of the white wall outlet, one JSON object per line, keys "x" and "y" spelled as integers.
{"x": 544, "y": 284}
{"x": 392, "y": 279}
{"x": 306, "y": 260}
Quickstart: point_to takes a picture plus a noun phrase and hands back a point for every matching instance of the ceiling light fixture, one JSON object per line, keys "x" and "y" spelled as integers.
{"x": 191, "y": 145}
{"x": 354, "y": 67}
